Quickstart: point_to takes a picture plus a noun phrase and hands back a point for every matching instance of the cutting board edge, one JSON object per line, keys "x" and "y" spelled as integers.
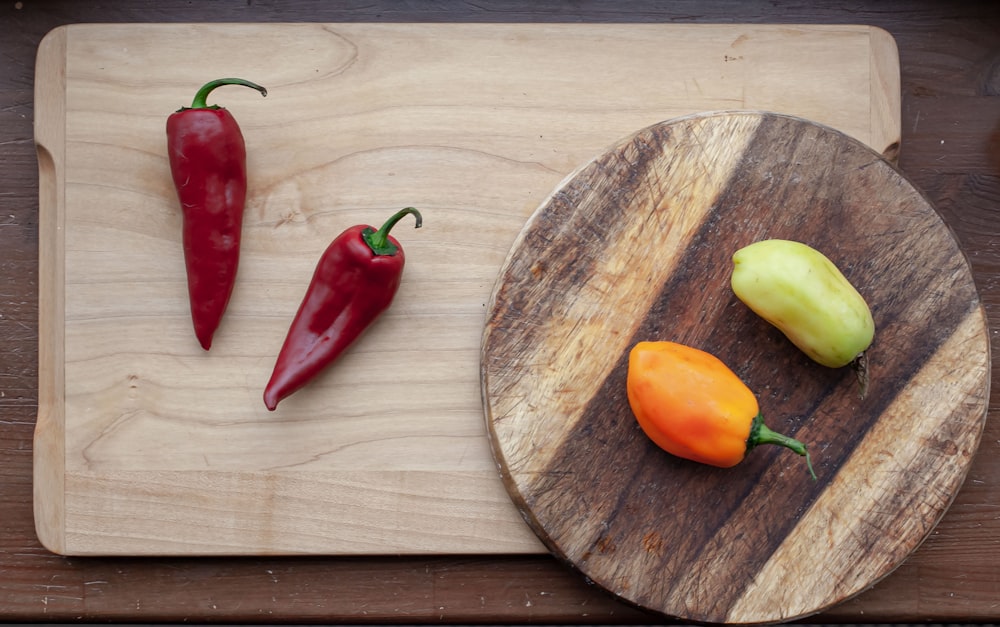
{"x": 329, "y": 529}
{"x": 885, "y": 89}
{"x": 885, "y": 125}
{"x": 49, "y": 458}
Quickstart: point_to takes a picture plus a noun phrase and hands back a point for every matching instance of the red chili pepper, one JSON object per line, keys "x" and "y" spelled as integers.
{"x": 354, "y": 282}
{"x": 208, "y": 164}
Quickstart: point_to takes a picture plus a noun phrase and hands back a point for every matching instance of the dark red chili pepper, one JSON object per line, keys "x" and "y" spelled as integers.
{"x": 208, "y": 164}
{"x": 355, "y": 281}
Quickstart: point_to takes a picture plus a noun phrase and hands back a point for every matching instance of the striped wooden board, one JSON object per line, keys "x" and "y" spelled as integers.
{"x": 636, "y": 245}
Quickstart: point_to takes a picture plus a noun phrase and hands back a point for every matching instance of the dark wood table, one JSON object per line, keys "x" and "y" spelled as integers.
{"x": 950, "y": 63}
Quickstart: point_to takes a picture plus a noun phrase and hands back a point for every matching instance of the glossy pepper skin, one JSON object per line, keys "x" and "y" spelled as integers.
{"x": 208, "y": 165}
{"x": 801, "y": 292}
{"x": 690, "y": 404}
{"x": 354, "y": 282}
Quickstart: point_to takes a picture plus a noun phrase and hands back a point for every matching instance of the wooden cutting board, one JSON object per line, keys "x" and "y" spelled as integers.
{"x": 148, "y": 445}
{"x": 637, "y": 246}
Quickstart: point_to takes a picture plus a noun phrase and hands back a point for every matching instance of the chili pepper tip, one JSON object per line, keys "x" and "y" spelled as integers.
{"x": 271, "y": 399}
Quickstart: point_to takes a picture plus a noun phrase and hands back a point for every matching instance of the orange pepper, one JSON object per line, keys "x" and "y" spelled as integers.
{"x": 693, "y": 406}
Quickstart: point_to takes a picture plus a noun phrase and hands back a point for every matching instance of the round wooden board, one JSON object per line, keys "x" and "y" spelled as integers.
{"x": 636, "y": 245}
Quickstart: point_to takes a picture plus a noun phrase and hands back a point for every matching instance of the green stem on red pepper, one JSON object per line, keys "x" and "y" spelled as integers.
{"x": 201, "y": 97}
{"x": 378, "y": 240}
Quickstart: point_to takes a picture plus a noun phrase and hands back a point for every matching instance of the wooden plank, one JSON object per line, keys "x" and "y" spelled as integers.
{"x": 473, "y": 123}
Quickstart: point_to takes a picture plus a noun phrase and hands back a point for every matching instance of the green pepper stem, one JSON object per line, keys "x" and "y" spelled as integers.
{"x": 761, "y": 434}
{"x": 201, "y": 98}
{"x": 379, "y": 240}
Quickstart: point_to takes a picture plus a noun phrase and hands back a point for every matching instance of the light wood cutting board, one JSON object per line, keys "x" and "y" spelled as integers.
{"x": 147, "y": 445}
{"x": 637, "y": 246}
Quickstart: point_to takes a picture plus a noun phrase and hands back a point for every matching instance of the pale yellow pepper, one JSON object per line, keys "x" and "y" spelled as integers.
{"x": 801, "y": 292}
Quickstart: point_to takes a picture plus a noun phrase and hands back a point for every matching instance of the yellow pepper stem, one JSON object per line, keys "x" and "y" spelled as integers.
{"x": 860, "y": 367}
{"x": 761, "y": 434}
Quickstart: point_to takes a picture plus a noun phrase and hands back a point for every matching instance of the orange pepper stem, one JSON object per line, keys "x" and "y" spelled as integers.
{"x": 761, "y": 434}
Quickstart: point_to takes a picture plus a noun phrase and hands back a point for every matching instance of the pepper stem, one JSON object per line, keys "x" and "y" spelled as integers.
{"x": 201, "y": 98}
{"x": 379, "y": 240}
{"x": 860, "y": 368}
{"x": 761, "y": 434}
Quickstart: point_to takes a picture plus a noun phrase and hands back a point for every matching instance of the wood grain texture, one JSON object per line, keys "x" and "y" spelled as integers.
{"x": 473, "y": 124}
{"x": 637, "y": 246}
{"x": 948, "y": 61}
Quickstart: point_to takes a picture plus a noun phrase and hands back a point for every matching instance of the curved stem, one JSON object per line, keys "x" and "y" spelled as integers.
{"x": 379, "y": 241}
{"x": 201, "y": 98}
{"x": 761, "y": 434}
